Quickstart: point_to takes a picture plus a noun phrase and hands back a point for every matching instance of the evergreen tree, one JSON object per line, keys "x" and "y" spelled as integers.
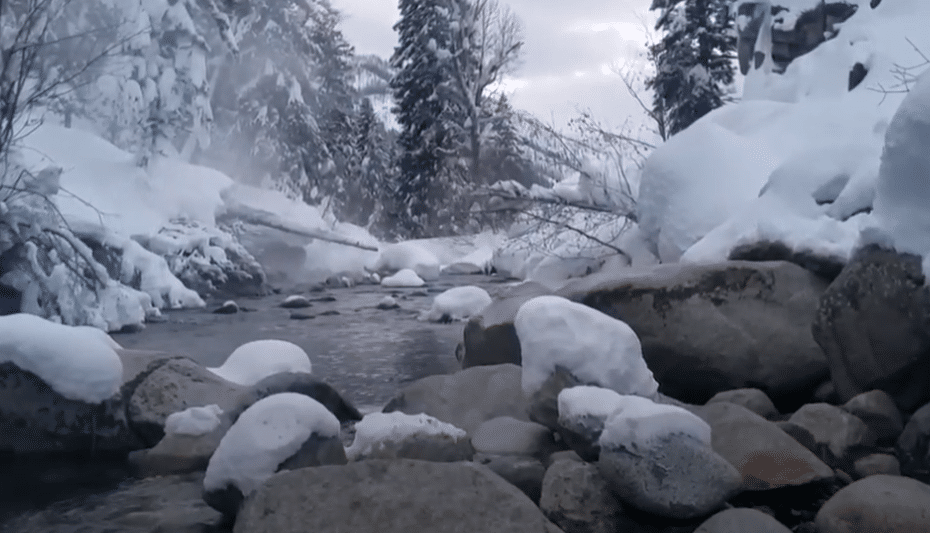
{"x": 370, "y": 170}
{"x": 694, "y": 60}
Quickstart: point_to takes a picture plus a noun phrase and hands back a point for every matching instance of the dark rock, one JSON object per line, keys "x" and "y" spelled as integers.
{"x": 228, "y": 308}
{"x": 10, "y": 299}
{"x": 307, "y": 385}
{"x": 576, "y": 497}
{"x": 872, "y": 326}
{"x": 752, "y": 399}
{"x": 710, "y": 328}
{"x": 890, "y": 504}
{"x": 857, "y": 73}
{"x": 490, "y": 337}
{"x": 390, "y": 497}
{"x": 913, "y": 447}
{"x": 875, "y": 464}
{"x": 827, "y": 267}
{"x": 330, "y": 313}
{"x": 879, "y": 412}
{"x": 301, "y": 316}
{"x": 544, "y": 403}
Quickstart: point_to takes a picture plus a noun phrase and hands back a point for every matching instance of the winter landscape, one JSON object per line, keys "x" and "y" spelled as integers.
{"x": 254, "y": 281}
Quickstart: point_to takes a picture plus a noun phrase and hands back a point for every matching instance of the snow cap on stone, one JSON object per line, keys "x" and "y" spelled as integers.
{"x": 403, "y": 278}
{"x": 77, "y": 362}
{"x": 639, "y": 422}
{"x": 377, "y": 428}
{"x": 594, "y": 347}
{"x": 194, "y": 420}
{"x": 266, "y": 434}
{"x": 409, "y": 255}
{"x": 256, "y": 360}
{"x": 459, "y": 303}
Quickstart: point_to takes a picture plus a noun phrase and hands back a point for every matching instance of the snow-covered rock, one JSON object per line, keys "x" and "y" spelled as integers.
{"x": 594, "y": 347}
{"x": 265, "y": 439}
{"x": 78, "y": 362}
{"x": 409, "y": 255}
{"x": 398, "y": 435}
{"x": 403, "y": 278}
{"x": 458, "y": 303}
{"x": 256, "y": 360}
{"x": 194, "y": 420}
{"x": 295, "y": 301}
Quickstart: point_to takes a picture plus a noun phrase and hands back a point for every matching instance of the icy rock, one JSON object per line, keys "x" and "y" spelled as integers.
{"x": 398, "y": 435}
{"x": 594, "y": 347}
{"x": 458, "y": 303}
{"x": 256, "y": 360}
{"x": 403, "y": 278}
{"x": 280, "y": 432}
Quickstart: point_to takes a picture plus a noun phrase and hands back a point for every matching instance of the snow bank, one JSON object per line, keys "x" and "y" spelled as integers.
{"x": 264, "y": 436}
{"x": 594, "y": 347}
{"x": 903, "y": 189}
{"x": 803, "y": 132}
{"x": 377, "y": 428}
{"x": 409, "y": 256}
{"x": 403, "y": 278}
{"x": 77, "y": 362}
{"x": 639, "y": 422}
{"x": 256, "y": 360}
{"x": 194, "y": 421}
{"x": 458, "y": 303}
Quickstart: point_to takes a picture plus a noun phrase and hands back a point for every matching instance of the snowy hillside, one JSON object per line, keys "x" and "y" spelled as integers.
{"x": 797, "y": 159}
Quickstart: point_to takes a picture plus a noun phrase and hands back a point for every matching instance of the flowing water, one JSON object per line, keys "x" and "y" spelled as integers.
{"x": 365, "y": 353}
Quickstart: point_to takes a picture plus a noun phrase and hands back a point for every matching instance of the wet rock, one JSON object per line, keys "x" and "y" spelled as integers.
{"x": 765, "y": 456}
{"x": 913, "y": 447}
{"x": 871, "y": 326}
{"x": 467, "y": 398}
{"x": 877, "y": 463}
{"x": 228, "y": 308}
{"x": 577, "y": 498}
{"x": 330, "y": 313}
{"x": 301, "y": 316}
{"x": 706, "y": 329}
{"x": 390, "y": 497}
{"x": 877, "y": 409}
{"x": 296, "y": 302}
{"x": 36, "y": 418}
{"x": 740, "y": 521}
{"x": 752, "y": 399}
{"x": 525, "y": 473}
{"x": 842, "y": 432}
{"x": 890, "y": 504}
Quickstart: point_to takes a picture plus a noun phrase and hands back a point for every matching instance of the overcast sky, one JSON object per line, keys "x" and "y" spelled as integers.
{"x": 569, "y": 52}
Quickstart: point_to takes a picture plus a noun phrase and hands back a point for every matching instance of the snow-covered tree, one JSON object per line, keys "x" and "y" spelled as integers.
{"x": 694, "y": 60}
{"x": 370, "y": 172}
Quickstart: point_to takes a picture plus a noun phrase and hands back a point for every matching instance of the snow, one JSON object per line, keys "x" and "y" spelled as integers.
{"x": 411, "y": 256}
{"x": 751, "y": 170}
{"x": 903, "y": 188}
{"x": 194, "y": 421}
{"x": 458, "y": 303}
{"x": 256, "y": 360}
{"x": 403, "y": 278}
{"x": 77, "y": 362}
{"x": 264, "y": 436}
{"x": 377, "y": 428}
{"x": 638, "y": 423}
{"x": 594, "y": 347}
{"x": 575, "y": 403}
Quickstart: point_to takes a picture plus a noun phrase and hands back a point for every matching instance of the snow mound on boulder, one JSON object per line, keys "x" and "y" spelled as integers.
{"x": 403, "y": 278}
{"x": 409, "y": 255}
{"x": 638, "y": 423}
{"x": 256, "y": 360}
{"x": 458, "y": 303}
{"x": 194, "y": 421}
{"x": 77, "y": 362}
{"x": 377, "y": 428}
{"x": 594, "y": 347}
{"x": 265, "y": 435}
{"x": 583, "y": 401}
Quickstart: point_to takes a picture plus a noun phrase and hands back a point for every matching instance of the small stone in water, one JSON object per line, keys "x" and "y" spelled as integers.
{"x": 329, "y": 313}
{"x": 228, "y": 308}
{"x": 295, "y": 302}
{"x": 301, "y": 316}
{"x": 388, "y": 302}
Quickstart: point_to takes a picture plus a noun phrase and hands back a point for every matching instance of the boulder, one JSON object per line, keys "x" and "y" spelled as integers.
{"x": 390, "y": 497}
{"x": 173, "y": 386}
{"x": 709, "y": 328}
{"x": 490, "y": 337}
{"x": 871, "y": 324}
{"x": 765, "y": 456}
{"x": 739, "y": 520}
{"x": 467, "y": 398}
{"x": 879, "y": 412}
{"x": 525, "y": 473}
{"x": 890, "y": 504}
{"x": 843, "y": 433}
{"x": 913, "y": 446}
{"x": 752, "y": 399}
{"x": 577, "y": 498}
{"x": 36, "y": 418}
{"x": 877, "y": 463}
{"x": 543, "y": 404}
{"x": 506, "y": 435}
{"x": 305, "y": 384}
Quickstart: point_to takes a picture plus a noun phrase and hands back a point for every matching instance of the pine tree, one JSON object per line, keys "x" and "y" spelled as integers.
{"x": 371, "y": 169}
{"x": 694, "y": 60}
